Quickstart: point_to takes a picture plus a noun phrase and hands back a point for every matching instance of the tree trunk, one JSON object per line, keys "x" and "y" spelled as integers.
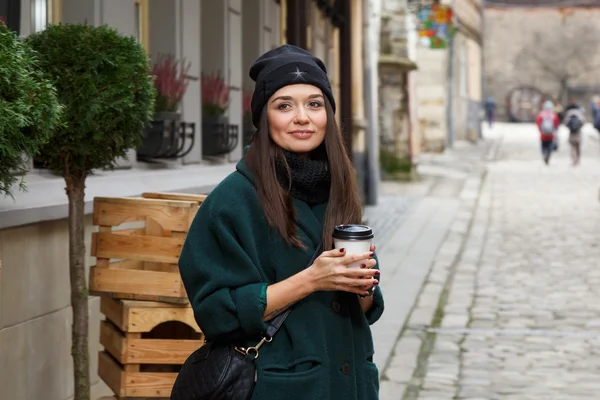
{"x": 79, "y": 292}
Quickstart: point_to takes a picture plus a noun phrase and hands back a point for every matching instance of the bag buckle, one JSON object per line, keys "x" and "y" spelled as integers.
{"x": 253, "y": 350}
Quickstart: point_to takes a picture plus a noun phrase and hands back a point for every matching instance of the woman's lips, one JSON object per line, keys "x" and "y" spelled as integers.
{"x": 302, "y": 134}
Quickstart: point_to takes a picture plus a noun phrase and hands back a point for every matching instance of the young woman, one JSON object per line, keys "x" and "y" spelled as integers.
{"x": 246, "y": 256}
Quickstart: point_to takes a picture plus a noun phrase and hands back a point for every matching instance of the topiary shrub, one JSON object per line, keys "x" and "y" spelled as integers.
{"x": 29, "y": 109}
{"x": 103, "y": 80}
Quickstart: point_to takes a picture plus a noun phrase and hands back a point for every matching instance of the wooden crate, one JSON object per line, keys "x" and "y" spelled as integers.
{"x": 145, "y": 344}
{"x": 140, "y": 262}
{"x": 198, "y": 198}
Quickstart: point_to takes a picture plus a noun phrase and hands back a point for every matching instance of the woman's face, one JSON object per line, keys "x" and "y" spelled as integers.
{"x": 297, "y": 118}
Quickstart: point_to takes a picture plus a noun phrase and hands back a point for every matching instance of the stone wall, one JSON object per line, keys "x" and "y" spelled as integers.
{"x": 35, "y": 314}
{"x": 508, "y": 29}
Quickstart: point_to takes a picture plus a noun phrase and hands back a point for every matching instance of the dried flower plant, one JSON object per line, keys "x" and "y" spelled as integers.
{"x": 215, "y": 94}
{"x": 171, "y": 82}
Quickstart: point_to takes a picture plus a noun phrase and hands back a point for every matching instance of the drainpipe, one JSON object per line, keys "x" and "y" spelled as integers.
{"x": 371, "y": 15}
{"x": 482, "y": 15}
{"x": 450, "y": 100}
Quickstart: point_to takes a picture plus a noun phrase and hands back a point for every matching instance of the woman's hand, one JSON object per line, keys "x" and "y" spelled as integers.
{"x": 330, "y": 272}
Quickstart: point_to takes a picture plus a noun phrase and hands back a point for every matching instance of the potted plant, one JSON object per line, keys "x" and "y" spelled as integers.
{"x": 170, "y": 83}
{"x": 29, "y": 108}
{"x": 248, "y": 127}
{"x": 103, "y": 80}
{"x": 215, "y": 125}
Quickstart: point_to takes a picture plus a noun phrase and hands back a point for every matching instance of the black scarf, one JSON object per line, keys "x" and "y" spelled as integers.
{"x": 311, "y": 179}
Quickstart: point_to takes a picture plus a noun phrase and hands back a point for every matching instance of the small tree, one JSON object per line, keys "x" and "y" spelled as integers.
{"x": 29, "y": 109}
{"x": 103, "y": 79}
{"x": 560, "y": 53}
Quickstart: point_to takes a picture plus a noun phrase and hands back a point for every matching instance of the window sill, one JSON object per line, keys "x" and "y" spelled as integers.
{"x": 45, "y": 198}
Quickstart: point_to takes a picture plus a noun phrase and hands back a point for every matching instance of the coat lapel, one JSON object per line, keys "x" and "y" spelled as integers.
{"x": 310, "y": 220}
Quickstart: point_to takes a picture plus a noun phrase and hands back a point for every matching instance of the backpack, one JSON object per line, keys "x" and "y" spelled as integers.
{"x": 547, "y": 125}
{"x": 574, "y": 123}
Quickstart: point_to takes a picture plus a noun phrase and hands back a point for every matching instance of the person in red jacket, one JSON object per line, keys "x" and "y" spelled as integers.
{"x": 547, "y": 122}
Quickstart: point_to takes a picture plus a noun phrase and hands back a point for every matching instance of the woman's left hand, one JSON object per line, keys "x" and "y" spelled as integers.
{"x": 371, "y": 286}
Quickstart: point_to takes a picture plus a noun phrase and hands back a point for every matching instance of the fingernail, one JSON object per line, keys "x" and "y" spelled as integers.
{"x": 363, "y": 265}
{"x": 376, "y": 283}
{"x": 372, "y": 255}
{"x": 374, "y": 247}
{"x": 342, "y": 250}
{"x": 377, "y": 273}
{"x": 366, "y": 294}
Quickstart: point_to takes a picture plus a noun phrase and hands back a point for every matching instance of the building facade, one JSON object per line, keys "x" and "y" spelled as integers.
{"x": 449, "y": 88}
{"x": 520, "y": 73}
{"x": 213, "y": 36}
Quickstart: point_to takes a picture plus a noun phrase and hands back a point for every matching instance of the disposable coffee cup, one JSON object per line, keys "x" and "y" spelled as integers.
{"x": 356, "y": 239}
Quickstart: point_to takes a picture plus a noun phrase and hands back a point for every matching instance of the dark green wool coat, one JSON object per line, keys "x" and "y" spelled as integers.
{"x": 324, "y": 350}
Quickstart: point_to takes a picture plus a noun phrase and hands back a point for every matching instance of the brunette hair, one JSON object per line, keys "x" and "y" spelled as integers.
{"x": 344, "y": 205}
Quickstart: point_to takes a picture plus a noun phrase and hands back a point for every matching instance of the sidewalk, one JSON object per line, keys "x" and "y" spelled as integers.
{"x": 421, "y": 226}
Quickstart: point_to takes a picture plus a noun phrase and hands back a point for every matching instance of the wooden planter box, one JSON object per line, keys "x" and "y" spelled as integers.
{"x": 140, "y": 262}
{"x": 145, "y": 344}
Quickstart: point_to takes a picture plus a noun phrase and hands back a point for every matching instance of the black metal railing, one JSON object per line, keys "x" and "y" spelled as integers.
{"x": 218, "y": 137}
{"x": 167, "y": 139}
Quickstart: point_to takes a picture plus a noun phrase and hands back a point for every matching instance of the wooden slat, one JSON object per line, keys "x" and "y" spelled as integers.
{"x": 111, "y": 373}
{"x": 136, "y": 282}
{"x": 114, "y": 311}
{"x": 170, "y": 214}
{"x": 142, "y": 297}
{"x": 113, "y": 341}
{"x": 143, "y": 248}
{"x": 199, "y": 198}
{"x": 149, "y": 384}
{"x": 143, "y": 316}
{"x": 160, "y": 351}
{"x": 145, "y": 319}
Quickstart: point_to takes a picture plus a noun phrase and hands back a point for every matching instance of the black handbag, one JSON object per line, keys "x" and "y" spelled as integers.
{"x": 220, "y": 371}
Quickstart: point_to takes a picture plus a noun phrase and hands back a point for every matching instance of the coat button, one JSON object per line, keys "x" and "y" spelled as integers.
{"x": 336, "y": 306}
{"x": 346, "y": 368}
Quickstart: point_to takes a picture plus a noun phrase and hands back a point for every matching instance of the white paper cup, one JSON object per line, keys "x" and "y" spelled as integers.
{"x": 356, "y": 239}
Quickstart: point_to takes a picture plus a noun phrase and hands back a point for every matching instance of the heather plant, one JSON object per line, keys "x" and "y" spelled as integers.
{"x": 247, "y": 107}
{"x": 29, "y": 108}
{"x": 104, "y": 82}
{"x": 215, "y": 95}
{"x": 170, "y": 82}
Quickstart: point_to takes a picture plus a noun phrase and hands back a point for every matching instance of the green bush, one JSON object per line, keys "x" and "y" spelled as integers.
{"x": 103, "y": 80}
{"x": 29, "y": 109}
{"x": 392, "y": 164}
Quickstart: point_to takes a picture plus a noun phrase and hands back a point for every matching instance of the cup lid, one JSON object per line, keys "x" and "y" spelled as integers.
{"x": 352, "y": 232}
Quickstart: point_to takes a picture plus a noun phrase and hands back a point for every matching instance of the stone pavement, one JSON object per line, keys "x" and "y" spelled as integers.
{"x": 509, "y": 308}
{"x": 411, "y": 223}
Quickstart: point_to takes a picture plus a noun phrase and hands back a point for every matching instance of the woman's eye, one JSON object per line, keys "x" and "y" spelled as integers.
{"x": 315, "y": 104}
{"x": 283, "y": 106}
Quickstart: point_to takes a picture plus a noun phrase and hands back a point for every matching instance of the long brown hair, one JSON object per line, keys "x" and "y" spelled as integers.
{"x": 344, "y": 205}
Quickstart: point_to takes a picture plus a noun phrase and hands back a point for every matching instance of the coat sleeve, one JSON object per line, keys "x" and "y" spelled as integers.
{"x": 222, "y": 282}
{"x": 377, "y": 308}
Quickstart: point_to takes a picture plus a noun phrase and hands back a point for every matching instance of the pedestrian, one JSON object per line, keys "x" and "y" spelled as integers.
{"x": 245, "y": 260}
{"x": 547, "y": 122}
{"x": 574, "y": 120}
{"x": 490, "y": 110}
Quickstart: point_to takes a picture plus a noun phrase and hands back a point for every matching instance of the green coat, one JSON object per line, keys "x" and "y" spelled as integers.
{"x": 324, "y": 350}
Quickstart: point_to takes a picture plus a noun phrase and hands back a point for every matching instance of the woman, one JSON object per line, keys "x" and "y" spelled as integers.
{"x": 246, "y": 257}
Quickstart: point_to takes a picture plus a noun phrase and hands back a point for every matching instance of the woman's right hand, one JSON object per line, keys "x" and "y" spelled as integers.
{"x": 330, "y": 272}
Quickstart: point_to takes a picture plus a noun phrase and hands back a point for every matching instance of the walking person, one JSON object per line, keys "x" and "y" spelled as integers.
{"x": 574, "y": 119}
{"x": 245, "y": 261}
{"x": 547, "y": 122}
{"x": 490, "y": 110}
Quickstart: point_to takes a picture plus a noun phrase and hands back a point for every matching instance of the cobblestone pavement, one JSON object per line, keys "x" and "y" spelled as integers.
{"x": 511, "y": 306}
